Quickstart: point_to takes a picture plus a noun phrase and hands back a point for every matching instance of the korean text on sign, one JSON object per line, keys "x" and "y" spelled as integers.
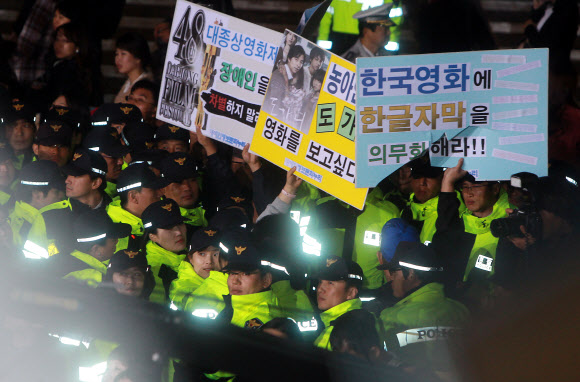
{"x": 395, "y": 153}
{"x": 281, "y": 135}
{"x": 332, "y": 161}
{"x": 415, "y": 80}
{"x": 459, "y": 147}
{"x": 413, "y": 117}
{"x": 236, "y": 41}
{"x": 243, "y": 78}
{"x": 341, "y": 83}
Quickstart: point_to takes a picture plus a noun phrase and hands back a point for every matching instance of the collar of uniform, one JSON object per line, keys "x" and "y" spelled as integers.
{"x": 429, "y": 292}
{"x": 25, "y": 211}
{"x": 336, "y": 311}
{"x": 120, "y": 215}
{"x": 476, "y": 225}
{"x": 218, "y": 277}
{"x": 194, "y": 216}
{"x": 90, "y": 261}
{"x": 157, "y": 255}
{"x": 366, "y": 50}
{"x": 248, "y": 301}
{"x": 186, "y": 272}
{"x": 422, "y": 211}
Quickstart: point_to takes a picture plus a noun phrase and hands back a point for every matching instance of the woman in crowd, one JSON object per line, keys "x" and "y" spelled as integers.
{"x": 132, "y": 58}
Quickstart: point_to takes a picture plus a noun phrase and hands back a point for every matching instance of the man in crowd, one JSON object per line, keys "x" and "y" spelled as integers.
{"x": 138, "y": 188}
{"x": 144, "y": 96}
{"x": 7, "y": 172}
{"x": 19, "y": 130}
{"x": 340, "y": 282}
{"x": 374, "y": 31}
{"x": 53, "y": 142}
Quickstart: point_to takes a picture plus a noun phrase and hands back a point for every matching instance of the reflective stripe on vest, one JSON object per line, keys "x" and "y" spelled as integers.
{"x": 34, "y": 251}
{"x": 432, "y": 333}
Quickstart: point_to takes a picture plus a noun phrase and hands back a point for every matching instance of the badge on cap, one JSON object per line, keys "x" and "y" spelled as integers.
{"x": 126, "y": 109}
{"x": 61, "y": 111}
{"x": 237, "y": 199}
{"x": 210, "y": 233}
{"x": 167, "y": 207}
{"x": 173, "y": 129}
{"x": 180, "y": 161}
{"x": 131, "y": 254}
{"x": 56, "y": 128}
{"x": 329, "y": 262}
{"x": 239, "y": 250}
{"x": 114, "y": 134}
{"x": 77, "y": 156}
{"x": 18, "y": 107}
{"x": 149, "y": 145}
{"x": 253, "y": 324}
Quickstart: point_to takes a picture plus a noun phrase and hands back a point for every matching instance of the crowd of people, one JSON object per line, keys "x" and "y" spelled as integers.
{"x": 107, "y": 196}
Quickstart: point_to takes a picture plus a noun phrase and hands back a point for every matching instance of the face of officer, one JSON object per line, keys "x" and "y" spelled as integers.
{"x": 205, "y": 260}
{"x": 58, "y": 154}
{"x": 81, "y": 186}
{"x": 479, "y": 198}
{"x": 7, "y": 173}
{"x": 332, "y": 293}
{"x": 172, "y": 239}
{"x": 402, "y": 285}
{"x": 173, "y": 146}
{"x": 139, "y": 200}
{"x": 114, "y": 167}
{"x": 129, "y": 282}
{"x": 40, "y": 199}
{"x": 20, "y": 135}
{"x": 106, "y": 251}
{"x": 426, "y": 188}
{"x": 185, "y": 193}
{"x": 242, "y": 283}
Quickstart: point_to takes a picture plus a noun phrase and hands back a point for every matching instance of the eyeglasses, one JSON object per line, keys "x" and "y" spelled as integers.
{"x": 474, "y": 188}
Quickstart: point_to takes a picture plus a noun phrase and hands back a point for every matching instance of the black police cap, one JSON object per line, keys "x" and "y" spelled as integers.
{"x": 138, "y": 175}
{"x": 162, "y": 214}
{"x": 86, "y": 162}
{"x": 54, "y": 132}
{"x": 171, "y": 132}
{"x": 41, "y": 173}
{"x": 203, "y": 238}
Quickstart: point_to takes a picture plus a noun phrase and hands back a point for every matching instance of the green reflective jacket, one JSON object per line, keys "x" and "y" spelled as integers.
{"x": 4, "y": 197}
{"x": 209, "y": 296}
{"x": 166, "y": 262}
{"x": 111, "y": 190}
{"x": 339, "y": 18}
{"x": 293, "y": 303}
{"x": 323, "y": 339}
{"x": 427, "y": 307}
{"x": 29, "y": 231}
{"x": 427, "y": 213}
{"x": 194, "y": 216}
{"x": 93, "y": 275}
{"x": 485, "y": 243}
{"x": 119, "y": 215}
{"x": 254, "y": 310}
{"x": 184, "y": 285}
{"x": 367, "y": 243}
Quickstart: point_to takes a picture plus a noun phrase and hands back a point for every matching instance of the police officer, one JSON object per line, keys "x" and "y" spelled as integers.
{"x": 421, "y": 209}
{"x": 106, "y": 141}
{"x": 472, "y": 249}
{"x": 95, "y": 237}
{"x": 180, "y": 172}
{"x": 115, "y": 115}
{"x": 165, "y": 236}
{"x": 172, "y": 138}
{"x": 137, "y": 187}
{"x": 340, "y": 282}
{"x": 129, "y": 274}
{"x": 85, "y": 184}
{"x": 41, "y": 184}
{"x": 19, "y": 125}
{"x": 423, "y": 314}
{"x": 202, "y": 258}
{"x": 7, "y": 172}
{"x": 374, "y": 31}
{"x": 53, "y": 141}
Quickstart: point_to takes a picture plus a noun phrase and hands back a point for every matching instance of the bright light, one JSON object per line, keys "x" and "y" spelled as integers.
{"x": 571, "y": 181}
{"x": 324, "y": 44}
{"x": 311, "y": 246}
{"x": 92, "y": 374}
{"x": 172, "y": 306}
{"x": 396, "y": 12}
{"x": 366, "y": 4}
{"x": 392, "y": 46}
{"x": 365, "y": 299}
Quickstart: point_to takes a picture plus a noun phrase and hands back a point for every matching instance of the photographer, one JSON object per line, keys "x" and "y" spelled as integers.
{"x": 546, "y": 229}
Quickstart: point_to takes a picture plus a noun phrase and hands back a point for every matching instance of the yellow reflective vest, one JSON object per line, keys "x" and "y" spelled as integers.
{"x": 208, "y": 299}
{"x": 29, "y": 231}
{"x": 162, "y": 263}
{"x": 93, "y": 275}
{"x": 254, "y": 310}
{"x": 323, "y": 339}
{"x": 184, "y": 285}
{"x": 120, "y": 215}
{"x": 427, "y": 213}
{"x": 293, "y": 303}
{"x": 194, "y": 216}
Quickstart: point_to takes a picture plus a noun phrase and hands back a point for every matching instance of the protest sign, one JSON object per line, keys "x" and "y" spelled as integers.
{"x": 216, "y": 73}
{"x": 487, "y": 107}
{"x": 307, "y": 118}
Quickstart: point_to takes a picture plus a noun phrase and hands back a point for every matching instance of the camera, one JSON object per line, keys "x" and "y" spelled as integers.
{"x": 527, "y": 215}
